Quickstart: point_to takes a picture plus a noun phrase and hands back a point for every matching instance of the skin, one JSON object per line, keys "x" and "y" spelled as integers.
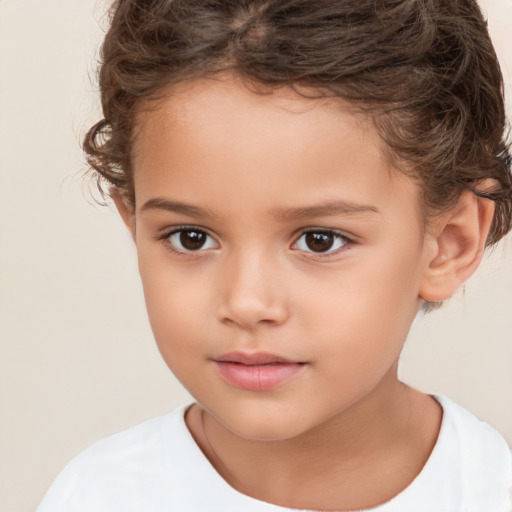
{"x": 343, "y": 433}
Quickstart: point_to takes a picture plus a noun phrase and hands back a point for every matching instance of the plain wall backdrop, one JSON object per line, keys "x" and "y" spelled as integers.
{"x": 77, "y": 358}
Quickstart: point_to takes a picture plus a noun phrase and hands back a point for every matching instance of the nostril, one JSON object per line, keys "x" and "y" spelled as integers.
{"x": 251, "y": 314}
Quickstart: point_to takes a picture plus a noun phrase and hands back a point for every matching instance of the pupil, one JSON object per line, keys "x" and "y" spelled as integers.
{"x": 192, "y": 240}
{"x": 319, "y": 242}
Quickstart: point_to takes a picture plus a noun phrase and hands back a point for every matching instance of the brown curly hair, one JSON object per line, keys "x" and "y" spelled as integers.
{"x": 424, "y": 70}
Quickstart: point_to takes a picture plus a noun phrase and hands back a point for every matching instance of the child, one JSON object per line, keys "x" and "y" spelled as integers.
{"x": 299, "y": 178}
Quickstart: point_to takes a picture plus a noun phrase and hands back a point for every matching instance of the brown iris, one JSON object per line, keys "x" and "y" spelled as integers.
{"x": 192, "y": 240}
{"x": 319, "y": 242}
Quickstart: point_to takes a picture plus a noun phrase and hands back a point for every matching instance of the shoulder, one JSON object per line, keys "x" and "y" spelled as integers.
{"x": 477, "y": 438}
{"x": 484, "y": 458}
{"x": 469, "y": 469}
{"x": 110, "y": 474}
{"x": 155, "y": 467}
{"x": 136, "y": 445}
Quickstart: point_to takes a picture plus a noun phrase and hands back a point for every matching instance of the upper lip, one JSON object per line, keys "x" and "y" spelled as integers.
{"x": 257, "y": 358}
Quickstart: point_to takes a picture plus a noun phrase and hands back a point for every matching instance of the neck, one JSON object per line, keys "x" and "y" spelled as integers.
{"x": 357, "y": 459}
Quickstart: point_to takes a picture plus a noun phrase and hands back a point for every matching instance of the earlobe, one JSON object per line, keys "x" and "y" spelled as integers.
{"x": 455, "y": 246}
{"x": 126, "y": 210}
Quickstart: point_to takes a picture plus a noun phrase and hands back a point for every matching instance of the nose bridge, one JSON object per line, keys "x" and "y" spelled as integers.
{"x": 253, "y": 293}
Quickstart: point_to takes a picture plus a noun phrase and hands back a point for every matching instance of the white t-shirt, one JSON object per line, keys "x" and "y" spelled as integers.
{"x": 158, "y": 467}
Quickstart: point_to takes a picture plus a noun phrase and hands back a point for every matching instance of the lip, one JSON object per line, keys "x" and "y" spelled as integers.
{"x": 260, "y": 371}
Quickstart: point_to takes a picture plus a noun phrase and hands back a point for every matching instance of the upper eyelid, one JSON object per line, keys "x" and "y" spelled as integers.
{"x": 168, "y": 231}
{"x": 322, "y": 230}
{"x": 187, "y": 227}
{"x": 337, "y": 232}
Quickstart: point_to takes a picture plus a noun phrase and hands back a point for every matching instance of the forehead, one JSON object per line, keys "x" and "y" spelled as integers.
{"x": 225, "y": 103}
{"x": 207, "y": 136}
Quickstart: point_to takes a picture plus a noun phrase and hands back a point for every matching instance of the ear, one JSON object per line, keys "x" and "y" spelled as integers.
{"x": 455, "y": 246}
{"x": 125, "y": 208}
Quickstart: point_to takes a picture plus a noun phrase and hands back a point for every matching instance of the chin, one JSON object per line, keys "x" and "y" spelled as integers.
{"x": 262, "y": 427}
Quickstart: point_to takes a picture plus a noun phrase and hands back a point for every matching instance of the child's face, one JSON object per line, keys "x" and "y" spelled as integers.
{"x": 246, "y": 177}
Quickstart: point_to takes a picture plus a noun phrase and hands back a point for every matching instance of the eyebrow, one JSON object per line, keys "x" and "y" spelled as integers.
{"x": 159, "y": 203}
{"x": 325, "y": 209}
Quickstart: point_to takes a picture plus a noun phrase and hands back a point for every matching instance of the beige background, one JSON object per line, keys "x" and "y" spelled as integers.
{"x": 77, "y": 359}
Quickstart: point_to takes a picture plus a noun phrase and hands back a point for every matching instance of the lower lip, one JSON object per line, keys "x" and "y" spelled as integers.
{"x": 258, "y": 377}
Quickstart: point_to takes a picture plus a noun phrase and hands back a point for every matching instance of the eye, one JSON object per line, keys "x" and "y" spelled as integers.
{"x": 190, "y": 240}
{"x": 321, "y": 241}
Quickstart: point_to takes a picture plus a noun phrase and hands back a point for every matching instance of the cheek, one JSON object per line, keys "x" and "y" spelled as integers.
{"x": 175, "y": 303}
{"x": 366, "y": 308}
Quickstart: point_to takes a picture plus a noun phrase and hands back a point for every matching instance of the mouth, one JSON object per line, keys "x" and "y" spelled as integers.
{"x": 256, "y": 372}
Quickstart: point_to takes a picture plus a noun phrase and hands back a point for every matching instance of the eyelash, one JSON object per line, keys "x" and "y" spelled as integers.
{"x": 346, "y": 241}
{"x": 165, "y": 239}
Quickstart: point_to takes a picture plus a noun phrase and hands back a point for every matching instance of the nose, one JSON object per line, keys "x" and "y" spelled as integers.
{"x": 252, "y": 293}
